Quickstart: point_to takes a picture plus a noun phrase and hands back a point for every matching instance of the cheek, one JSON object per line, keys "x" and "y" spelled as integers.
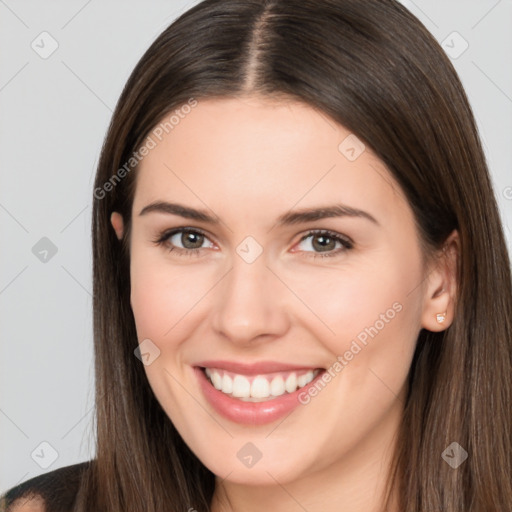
{"x": 164, "y": 300}
{"x": 368, "y": 319}
{"x": 360, "y": 299}
{"x": 383, "y": 322}
{"x": 162, "y": 295}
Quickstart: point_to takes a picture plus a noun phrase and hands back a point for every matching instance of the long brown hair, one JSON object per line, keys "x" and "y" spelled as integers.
{"x": 374, "y": 68}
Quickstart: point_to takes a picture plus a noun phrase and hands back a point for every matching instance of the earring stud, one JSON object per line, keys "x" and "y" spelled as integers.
{"x": 441, "y": 317}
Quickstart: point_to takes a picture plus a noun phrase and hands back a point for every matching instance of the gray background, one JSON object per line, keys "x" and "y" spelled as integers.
{"x": 54, "y": 114}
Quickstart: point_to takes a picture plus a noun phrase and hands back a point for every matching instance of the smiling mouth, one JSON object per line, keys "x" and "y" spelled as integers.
{"x": 259, "y": 388}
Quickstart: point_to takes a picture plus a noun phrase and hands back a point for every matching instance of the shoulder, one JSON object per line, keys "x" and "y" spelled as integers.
{"x": 52, "y": 491}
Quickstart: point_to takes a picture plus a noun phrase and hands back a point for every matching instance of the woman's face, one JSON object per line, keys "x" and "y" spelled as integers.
{"x": 264, "y": 304}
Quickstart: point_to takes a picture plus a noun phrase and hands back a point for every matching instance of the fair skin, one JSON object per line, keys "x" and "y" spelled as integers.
{"x": 32, "y": 504}
{"x": 247, "y": 161}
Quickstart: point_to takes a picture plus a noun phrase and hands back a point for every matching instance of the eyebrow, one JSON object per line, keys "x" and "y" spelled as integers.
{"x": 289, "y": 218}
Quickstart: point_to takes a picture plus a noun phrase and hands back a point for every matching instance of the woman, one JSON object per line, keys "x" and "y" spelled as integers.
{"x": 302, "y": 293}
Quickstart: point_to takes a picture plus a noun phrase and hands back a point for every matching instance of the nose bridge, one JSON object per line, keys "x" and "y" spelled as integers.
{"x": 249, "y": 299}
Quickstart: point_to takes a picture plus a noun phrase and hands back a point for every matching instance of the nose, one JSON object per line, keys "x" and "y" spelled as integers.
{"x": 251, "y": 304}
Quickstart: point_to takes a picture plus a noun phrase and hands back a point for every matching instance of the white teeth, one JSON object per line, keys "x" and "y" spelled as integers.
{"x": 305, "y": 379}
{"x": 216, "y": 380}
{"x": 260, "y": 387}
{"x": 241, "y": 386}
{"x": 277, "y": 386}
{"x": 291, "y": 383}
{"x": 227, "y": 384}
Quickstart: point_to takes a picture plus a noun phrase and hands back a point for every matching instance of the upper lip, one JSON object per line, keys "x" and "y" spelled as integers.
{"x": 254, "y": 368}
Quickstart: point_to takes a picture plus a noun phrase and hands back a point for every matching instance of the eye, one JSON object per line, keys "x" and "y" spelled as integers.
{"x": 185, "y": 241}
{"x": 189, "y": 242}
{"x": 325, "y": 242}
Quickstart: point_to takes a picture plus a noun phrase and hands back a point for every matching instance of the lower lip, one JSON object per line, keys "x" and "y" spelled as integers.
{"x": 250, "y": 413}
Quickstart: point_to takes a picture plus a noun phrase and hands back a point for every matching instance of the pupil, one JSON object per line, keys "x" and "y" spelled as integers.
{"x": 324, "y": 241}
{"x": 189, "y": 237}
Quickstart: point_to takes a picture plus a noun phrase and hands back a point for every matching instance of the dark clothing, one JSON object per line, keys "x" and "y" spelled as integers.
{"x": 58, "y": 489}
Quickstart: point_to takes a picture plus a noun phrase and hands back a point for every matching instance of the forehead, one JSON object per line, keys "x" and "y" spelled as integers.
{"x": 259, "y": 155}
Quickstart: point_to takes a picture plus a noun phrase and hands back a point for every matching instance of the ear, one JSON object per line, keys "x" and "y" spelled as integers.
{"x": 116, "y": 219}
{"x": 441, "y": 289}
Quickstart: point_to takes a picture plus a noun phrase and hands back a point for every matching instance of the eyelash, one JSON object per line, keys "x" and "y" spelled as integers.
{"x": 163, "y": 239}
